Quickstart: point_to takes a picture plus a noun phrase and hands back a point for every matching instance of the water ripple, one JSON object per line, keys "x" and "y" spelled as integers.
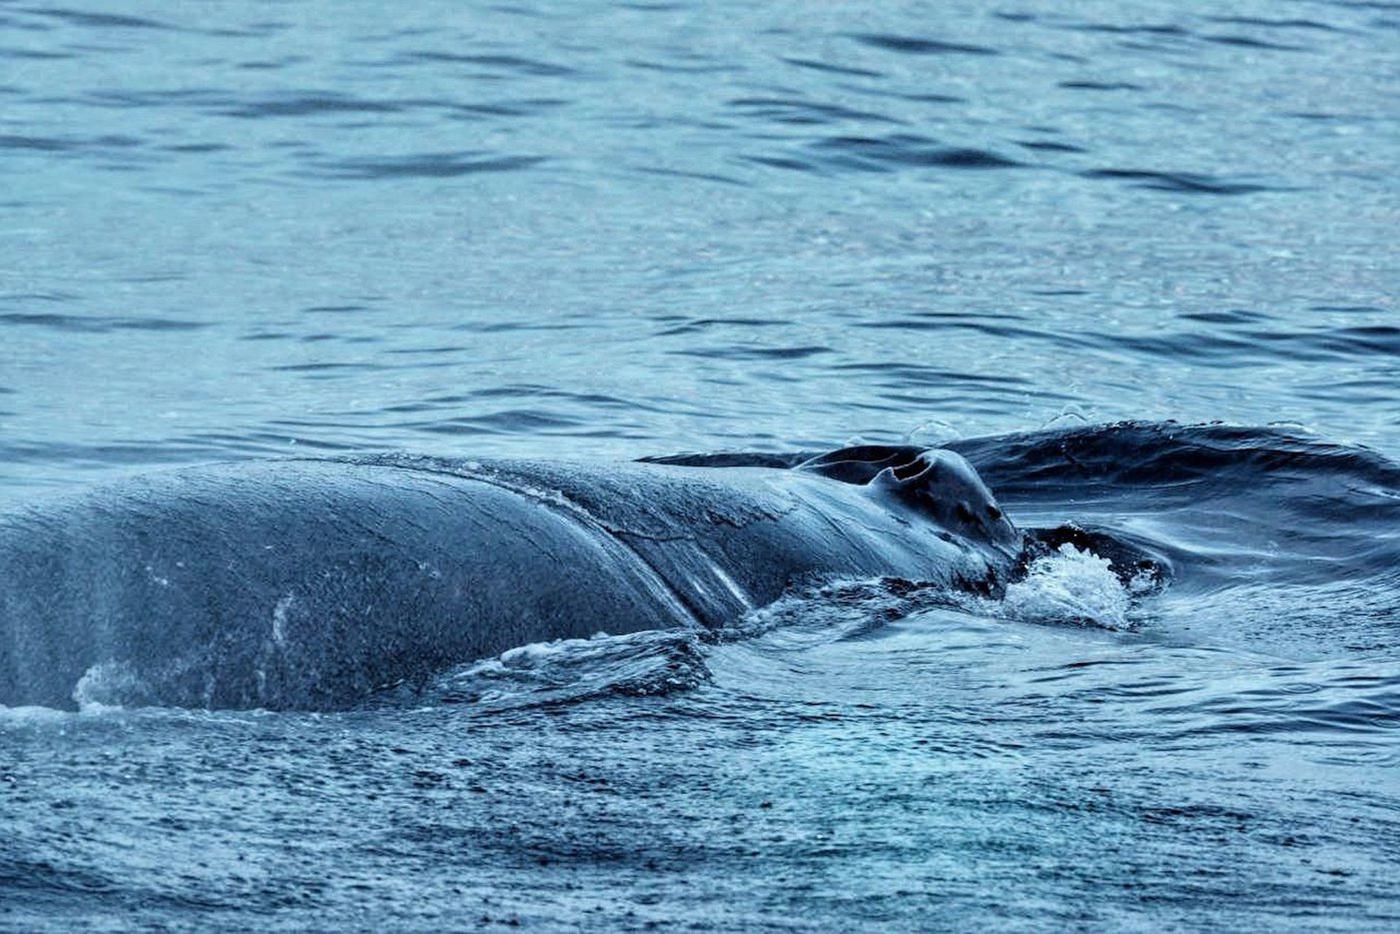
{"x": 98, "y": 20}
{"x": 897, "y": 151}
{"x": 1182, "y": 182}
{"x": 910, "y": 45}
{"x": 796, "y": 111}
{"x": 303, "y": 105}
{"x": 426, "y": 165}
{"x": 97, "y": 324}
{"x": 498, "y": 64}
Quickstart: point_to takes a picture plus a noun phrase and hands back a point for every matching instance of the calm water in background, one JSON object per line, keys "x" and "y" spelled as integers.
{"x": 251, "y": 229}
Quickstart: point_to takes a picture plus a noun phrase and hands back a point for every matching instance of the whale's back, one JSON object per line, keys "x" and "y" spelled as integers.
{"x": 297, "y": 585}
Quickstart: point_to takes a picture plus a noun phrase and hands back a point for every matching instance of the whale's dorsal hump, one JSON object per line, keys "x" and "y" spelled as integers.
{"x": 938, "y": 483}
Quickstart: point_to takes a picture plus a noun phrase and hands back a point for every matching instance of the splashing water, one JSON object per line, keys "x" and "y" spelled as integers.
{"x": 1069, "y": 585}
{"x": 641, "y": 664}
{"x": 110, "y": 685}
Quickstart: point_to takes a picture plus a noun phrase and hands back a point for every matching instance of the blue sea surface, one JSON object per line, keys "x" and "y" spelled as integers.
{"x": 612, "y": 230}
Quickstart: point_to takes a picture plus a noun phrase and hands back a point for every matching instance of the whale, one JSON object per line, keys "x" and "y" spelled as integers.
{"x": 313, "y": 583}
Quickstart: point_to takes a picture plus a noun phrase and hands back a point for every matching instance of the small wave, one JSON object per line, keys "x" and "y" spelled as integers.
{"x": 97, "y": 324}
{"x": 793, "y": 110}
{"x": 31, "y": 715}
{"x": 100, "y": 20}
{"x": 832, "y": 68}
{"x": 494, "y": 64}
{"x": 1050, "y": 146}
{"x": 836, "y": 610}
{"x": 1218, "y": 459}
{"x": 1086, "y": 85}
{"x": 643, "y": 664}
{"x": 912, "y": 45}
{"x": 307, "y": 105}
{"x": 1249, "y": 42}
{"x": 426, "y": 165}
{"x": 903, "y": 150}
{"x": 1180, "y": 182}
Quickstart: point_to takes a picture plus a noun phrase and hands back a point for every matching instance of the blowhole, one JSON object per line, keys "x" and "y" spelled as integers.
{"x": 911, "y": 470}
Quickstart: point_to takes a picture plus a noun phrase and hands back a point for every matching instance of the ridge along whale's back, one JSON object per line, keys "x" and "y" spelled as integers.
{"x": 311, "y": 583}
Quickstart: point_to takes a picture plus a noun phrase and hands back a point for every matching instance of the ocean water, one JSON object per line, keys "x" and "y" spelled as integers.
{"x": 1136, "y": 261}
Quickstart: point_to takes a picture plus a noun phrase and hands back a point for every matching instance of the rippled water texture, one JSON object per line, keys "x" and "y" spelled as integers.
{"x": 235, "y": 227}
{"x": 242, "y": 229}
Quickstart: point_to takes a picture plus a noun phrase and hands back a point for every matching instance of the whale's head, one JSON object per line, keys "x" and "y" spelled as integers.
{"x": 942, "y": 485}
{"x": 938, "y": 484}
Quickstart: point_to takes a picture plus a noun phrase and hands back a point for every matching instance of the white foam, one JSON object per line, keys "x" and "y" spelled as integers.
{"x": 30, "y": 715}
{"x": 279, "y": 620}
{"x": 109, "y": 685}
{"x": 537, "y": 654}
{"x": 650, "y": 661}
{"x": 1069, "y": 585}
